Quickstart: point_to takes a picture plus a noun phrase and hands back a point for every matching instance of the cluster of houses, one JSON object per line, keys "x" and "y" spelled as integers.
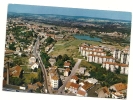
{"x": 116, "y": 91}
{"x": 80, "y": 88}
{"x": 98, "y": 54}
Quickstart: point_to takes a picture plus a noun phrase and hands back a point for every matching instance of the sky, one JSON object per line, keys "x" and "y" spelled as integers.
{"x": 118, "y": 15}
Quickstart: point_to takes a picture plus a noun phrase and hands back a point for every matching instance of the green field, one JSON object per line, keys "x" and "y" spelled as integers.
{"x": 70, "y": 47}
{"x": 86, "y": 64}
{"x": 29, "y": 76}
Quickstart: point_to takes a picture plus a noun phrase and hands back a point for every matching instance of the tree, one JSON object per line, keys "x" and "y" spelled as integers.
{"x": 59, "y": 63}
{"x": 117, "y": 70}
{"x": 49, "y": 40}
{"x": 65, "y": 57}
{"x": 35, "y": 70}
{"x": 15, "y": 81}
{"x": 12, "y": 46}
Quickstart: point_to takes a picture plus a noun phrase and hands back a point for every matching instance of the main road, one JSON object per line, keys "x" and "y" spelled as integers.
{"x": 37, "y": 55}
{"x": 62, "y": 88}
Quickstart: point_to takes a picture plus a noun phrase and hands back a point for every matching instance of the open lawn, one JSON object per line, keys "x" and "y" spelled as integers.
{"x": 86, "y": 64}
{"x": 25, "y": 68}
{"x": 29, "y": 76}
{"x": 69, "y": 47}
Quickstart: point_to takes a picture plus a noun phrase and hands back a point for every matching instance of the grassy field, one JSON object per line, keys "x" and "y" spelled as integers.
{"x": 69, "y": 47}
{"x": 29, "y": 76}
{"x": 86, "y": 64}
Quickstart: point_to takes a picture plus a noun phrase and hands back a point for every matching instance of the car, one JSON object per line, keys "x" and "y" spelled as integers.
{"x": 17, "y": 90}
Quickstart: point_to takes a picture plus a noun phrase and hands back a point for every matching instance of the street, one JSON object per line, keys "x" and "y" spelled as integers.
{"x": 62, "y": 88}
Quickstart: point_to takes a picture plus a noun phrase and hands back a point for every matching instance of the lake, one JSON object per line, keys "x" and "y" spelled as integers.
{"x": 86, "y": 37}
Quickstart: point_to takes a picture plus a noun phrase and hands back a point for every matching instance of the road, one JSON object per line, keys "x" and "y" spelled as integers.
{"x": 37, "y": 55}
{"x": 62, "y": 88}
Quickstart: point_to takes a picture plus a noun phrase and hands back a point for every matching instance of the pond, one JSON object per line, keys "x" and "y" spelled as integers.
{"x": 86, "y": 37}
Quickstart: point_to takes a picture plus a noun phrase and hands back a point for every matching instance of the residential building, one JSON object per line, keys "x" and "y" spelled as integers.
{"x": 32, "y": 60}
{"x": 112, "y": 66}
{"x": 81, "y": 70}
{"x": 91, "y": 80}
{"x": 67, "y": 64}
{"x": 67, "y": 72}
{"x": 117, "y": 95}
{"x": 86, "y": 86}
{"x": 119, "y": 87}
{"x": 103, "y": 92}
{"x": 35, "y": 65}
{"x": 54, "y": 78}
{"x": 15, "y": 71}
{"x": 81, "y": 93}
{"x": 72, "y": 87}
{"x": 74, "y": 79}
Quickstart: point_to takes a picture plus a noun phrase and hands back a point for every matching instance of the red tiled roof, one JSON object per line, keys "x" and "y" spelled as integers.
{"x": 15, "y": 71}
{"x": 105, "y": 90}
{"x": 120, "y": 86}
{"x": 74, "y": 85}
{"x": 74, "y": 77}
{"x": 66, "y": 63}
{"x": 55, "y": 77}
{"x": 87, "y": 85}
{"x": 80, "y": 92}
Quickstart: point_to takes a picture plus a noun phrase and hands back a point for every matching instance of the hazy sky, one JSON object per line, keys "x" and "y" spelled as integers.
{"x": 69, "y": 11}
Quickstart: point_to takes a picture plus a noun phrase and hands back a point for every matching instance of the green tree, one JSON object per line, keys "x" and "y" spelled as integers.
{"x": 12, "y": 46}
{"x": 117, "y": 70}
{"x": 49, "y": 40}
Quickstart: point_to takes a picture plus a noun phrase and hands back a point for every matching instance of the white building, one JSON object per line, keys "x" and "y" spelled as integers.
{"x": 67, "y": 72}
{"x": 54, "y": 78}
{"x": 32, "y": 60}
{"x": 35, "y": 65}
{"x": 113, "y": 66}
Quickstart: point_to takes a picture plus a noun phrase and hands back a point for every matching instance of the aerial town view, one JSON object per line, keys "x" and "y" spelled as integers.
{"x": 64, "y": 52}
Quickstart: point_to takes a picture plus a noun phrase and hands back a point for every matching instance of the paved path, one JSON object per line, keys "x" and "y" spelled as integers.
{"x": 62, "y": 88}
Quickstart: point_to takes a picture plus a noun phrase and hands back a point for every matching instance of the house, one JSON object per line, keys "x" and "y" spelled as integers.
{"x": 74, "y": 79}
{"x": 87, "y": 73}
{"x": 54, "y": 78}
{"x": 60, "y": 36}
{"x": 67, "y": 64}
{"x": 30, "y": 48}
{"x": 17, "y": 49}
{"x": 52, "y": 61}
{"x": 15, "y": 71}
{"x": 55, "y": 82}
{"x": 81, "y": 70}
{"x": 91, "y": 80}
{"x": 50, "y": 35}
{"x": 117, "y": 95}
{"x": 81, "y": 93}
{"x": 67, "y": 72}
{"x": 86, "y": 86}
{"x": 72, "y": 87}
{"x": 32, "y": 60}
{"x": 35, "y": 65}
{"x": 103, "y": 92}
{"x": 119, "y": 87}
{"x": 34, "y": 86}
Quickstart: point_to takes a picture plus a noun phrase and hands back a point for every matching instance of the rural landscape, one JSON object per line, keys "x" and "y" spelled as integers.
{"x": 66, "y": 55}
